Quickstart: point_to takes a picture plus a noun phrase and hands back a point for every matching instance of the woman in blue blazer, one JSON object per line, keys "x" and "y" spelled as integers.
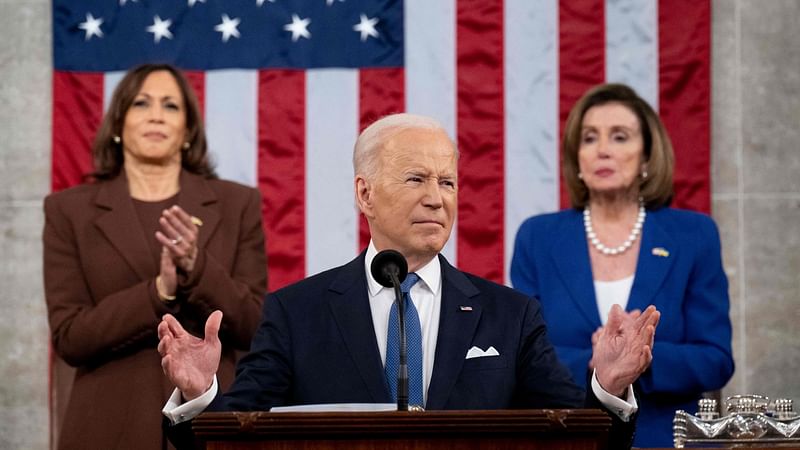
{"x": 622, "y": 244}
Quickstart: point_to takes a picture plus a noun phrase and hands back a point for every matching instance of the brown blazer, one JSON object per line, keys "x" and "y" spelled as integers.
{"x": 99, "y": 276}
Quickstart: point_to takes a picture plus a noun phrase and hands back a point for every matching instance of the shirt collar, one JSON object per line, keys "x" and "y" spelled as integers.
{"x": 430, "y": 273}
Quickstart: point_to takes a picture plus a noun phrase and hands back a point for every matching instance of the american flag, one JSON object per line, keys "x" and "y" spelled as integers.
{"x": 286, "y": 85}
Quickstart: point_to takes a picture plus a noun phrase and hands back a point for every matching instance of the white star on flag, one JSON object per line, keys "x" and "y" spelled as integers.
{"x": 122, "y": 2}
{"x": 160, "y": 28}
{"x": 298, "y": 27}
{"x": 329, "y": 2}
{"x": 366, "y": 27}
{"x": 192, "y": 2}
{"x": 228, "y": 27}
{"x": 91, "y": 26}
{"x": 261, "y": 2}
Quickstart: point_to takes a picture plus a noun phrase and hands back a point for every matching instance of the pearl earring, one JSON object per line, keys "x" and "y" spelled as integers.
{"x": 644, "y": 174}
{"x": 186, "y": 145}
{"x": 117, "y": 139}
{"x": 580, "y": 176}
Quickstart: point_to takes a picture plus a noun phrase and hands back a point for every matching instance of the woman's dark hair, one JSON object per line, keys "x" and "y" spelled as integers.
{"x": 656, "y": 189}
{"x": 108, "y": 156}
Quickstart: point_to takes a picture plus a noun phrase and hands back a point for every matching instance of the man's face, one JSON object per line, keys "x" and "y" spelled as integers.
{"x": 411, "y": 202}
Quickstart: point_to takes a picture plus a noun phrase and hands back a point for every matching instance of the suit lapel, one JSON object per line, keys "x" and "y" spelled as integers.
{"x": 657, "y": 254}
{"x": 349, "y": 303}
{"x": 456, "y": 330}
{"x": 197, "y": 199}
{"x": 120, "y": 225}
{"x": 571, "y": 258}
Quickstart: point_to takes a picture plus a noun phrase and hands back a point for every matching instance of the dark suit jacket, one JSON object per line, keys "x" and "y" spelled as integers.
{"x": 103, "y": 308}
{"x": 683, "y": 278}
{"x": 316, "y": 344}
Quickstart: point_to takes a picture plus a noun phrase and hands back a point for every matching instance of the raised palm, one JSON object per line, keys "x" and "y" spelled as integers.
{"x": 188, "y": 361}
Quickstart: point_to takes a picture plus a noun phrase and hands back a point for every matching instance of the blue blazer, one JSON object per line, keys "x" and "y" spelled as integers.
{"x": 316, "y": 344}
{"x": 679, "y": 270}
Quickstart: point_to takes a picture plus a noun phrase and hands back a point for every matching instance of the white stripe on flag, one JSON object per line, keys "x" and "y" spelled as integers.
{"x": 632, "y": 46}
{"x": 110, "y": 82}
{"x": 531, "y": 121}
{"x": 430, "y": 72}
{"x": 332, "y": 113}
{"x": 231, "y": 113}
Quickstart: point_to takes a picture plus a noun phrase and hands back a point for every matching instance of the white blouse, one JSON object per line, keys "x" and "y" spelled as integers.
{"x": 609, "y": 293}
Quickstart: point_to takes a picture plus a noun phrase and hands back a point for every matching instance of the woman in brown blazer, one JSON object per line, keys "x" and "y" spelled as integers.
{"x": 155, "y": 232}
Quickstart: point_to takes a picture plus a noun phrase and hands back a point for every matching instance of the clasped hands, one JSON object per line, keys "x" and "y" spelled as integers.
{"x": 623, "y": 349}
{"x": 178, "y": 237}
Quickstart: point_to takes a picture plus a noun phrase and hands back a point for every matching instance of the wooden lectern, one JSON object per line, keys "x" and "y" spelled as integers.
{"x": 561, "y": 429}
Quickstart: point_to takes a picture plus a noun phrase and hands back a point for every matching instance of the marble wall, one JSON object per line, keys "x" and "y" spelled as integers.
{"x": 756, "y": 186}
{"x": 25, "y": 75}
{"x": 756, "y": 200}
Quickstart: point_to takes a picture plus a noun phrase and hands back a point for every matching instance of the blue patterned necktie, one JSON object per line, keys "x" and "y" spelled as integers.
{"x": 414, "y": 342}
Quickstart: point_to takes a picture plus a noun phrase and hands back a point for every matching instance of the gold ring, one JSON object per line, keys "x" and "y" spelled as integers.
{"x": 197, "y": 221}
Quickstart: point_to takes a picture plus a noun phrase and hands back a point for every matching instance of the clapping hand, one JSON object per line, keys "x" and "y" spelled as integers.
{"x": 188, "y": 361}
{"x": 623, "y": 348}
{"x": 178, "y": 235}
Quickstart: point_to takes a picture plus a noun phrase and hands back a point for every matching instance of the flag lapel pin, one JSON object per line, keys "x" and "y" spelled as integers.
{"x": 660, "y": 251}
{"x": 465, "y": 308}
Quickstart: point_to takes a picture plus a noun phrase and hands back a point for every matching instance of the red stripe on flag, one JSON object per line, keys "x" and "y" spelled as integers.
{"x": 684, "y": 51}
{"x": 581, "y": 56}
{"x": 281, "y": 172}
{"x": 197, "y": 80}
{"x": 77, "y": 113}
{"x": 479, "y": 54}
{"x": 381, "y": 92}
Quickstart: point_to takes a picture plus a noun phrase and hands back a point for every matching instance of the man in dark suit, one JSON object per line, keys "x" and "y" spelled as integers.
{"x": 483, "y": 345}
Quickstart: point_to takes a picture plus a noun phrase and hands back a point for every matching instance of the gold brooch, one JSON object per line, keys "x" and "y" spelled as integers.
{"x": 660, "y": 251}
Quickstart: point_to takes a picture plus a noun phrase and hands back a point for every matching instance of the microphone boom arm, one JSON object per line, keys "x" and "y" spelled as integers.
{"x": 402, "y": 367}
{"x": 389, "y": 268}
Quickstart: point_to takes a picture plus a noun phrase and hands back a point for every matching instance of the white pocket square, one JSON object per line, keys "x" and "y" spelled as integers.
{"x": 476, "y": 352}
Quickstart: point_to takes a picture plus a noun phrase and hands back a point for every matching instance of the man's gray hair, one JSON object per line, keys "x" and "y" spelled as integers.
{"x": 369, "y": 142}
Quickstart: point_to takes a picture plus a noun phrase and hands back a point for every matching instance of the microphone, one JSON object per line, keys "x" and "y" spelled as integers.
{"x": 389, "y": 268}
{"x": 389, "y": 263}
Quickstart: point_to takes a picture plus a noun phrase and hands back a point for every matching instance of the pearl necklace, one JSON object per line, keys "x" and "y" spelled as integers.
{"x": 592, "y": 236}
